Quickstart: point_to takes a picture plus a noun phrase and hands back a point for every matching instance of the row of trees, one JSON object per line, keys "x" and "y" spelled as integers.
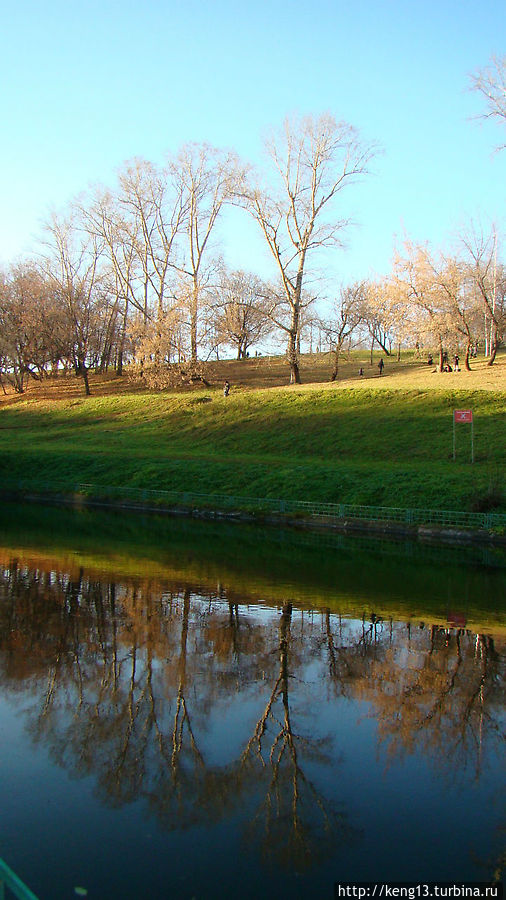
{"x": 48, "y": 327}
{"x": 430, "y": 300}
{"x": 132, "y": 273}
{"x": 133, "y": 268}
{"x": 73, "y": 318}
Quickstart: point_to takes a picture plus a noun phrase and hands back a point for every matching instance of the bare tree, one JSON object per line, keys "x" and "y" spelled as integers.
{"x": 104, "y": 218}
{"x": 491, "y": 83}
{"x": 72, "y": 266}
{"x": 155, "y": 211}
{"x": 240, "y": 314}
{"x": 30, "y": 325}
{"x": 346, "y": 316}
{"x": 206, "y": 178}
{"x": 488, "y": 279}
{"x": 313, "y": 160}
{"x": 425, "y": 297}
{"x": 450, "y": 275}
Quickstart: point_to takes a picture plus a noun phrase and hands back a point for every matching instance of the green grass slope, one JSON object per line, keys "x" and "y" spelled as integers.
{"x": 379, "y": 441}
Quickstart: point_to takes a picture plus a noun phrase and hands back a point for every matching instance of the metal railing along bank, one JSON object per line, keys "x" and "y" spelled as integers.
{"x": 337, "y": 511}
{"x": 9, "y": 881}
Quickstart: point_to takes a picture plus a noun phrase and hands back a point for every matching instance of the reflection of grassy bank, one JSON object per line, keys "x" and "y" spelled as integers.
{"x": 346, "y": 574}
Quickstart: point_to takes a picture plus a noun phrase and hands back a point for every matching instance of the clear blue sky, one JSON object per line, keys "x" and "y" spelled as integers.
{"x": 87, "y": 85}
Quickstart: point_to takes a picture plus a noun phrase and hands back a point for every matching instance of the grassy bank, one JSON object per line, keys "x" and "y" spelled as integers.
{"x": 376, "y": 441}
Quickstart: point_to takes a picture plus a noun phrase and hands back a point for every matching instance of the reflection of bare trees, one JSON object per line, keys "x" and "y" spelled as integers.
{"x": 437, "y": 689}
{"x": 188, "y": 791}
{"x": 466, "y": 680}
{"x": 293, "y": 820}
{"x": 131, "y": 677}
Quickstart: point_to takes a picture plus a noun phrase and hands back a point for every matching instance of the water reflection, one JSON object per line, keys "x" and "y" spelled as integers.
{"x": 209, "y": 709}
{"x": 126, "y": 679}
{"x": 204, "y": 710}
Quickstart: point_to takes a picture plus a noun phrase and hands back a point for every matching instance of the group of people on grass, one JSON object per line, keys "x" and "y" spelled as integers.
{"x": 446, "y": 367}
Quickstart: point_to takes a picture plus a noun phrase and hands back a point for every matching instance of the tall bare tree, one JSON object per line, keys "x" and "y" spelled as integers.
{"x": 450, "y": 275}
{"x": 72, "y": 265}
{"x": 425, "y": 297}
{"x": 206, "y": 178}
{"x": 312, "y": 160}
{"x": 488, "y": 278}
{"x": 120, "y": 232}
{"x": 154, "y": 212}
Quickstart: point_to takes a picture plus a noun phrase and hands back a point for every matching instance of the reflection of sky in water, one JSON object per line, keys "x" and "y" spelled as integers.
{"x": 368, "y": 714}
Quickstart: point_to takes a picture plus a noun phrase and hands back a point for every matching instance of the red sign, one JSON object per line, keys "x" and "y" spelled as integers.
{"x": 462, "y": 415}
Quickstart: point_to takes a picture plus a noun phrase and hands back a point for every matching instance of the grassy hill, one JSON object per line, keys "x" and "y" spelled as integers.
{"x": 371, "y": 440}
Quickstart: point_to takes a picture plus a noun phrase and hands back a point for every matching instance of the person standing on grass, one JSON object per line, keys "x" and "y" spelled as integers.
{"x": 456, "y": 362}
{"x": 381, "y": 366}
{"x": 226, "y": 389}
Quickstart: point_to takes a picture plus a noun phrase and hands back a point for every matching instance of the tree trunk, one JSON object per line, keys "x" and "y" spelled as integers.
{"x": 106, "y": 358}
{"x": 193, "y": 322}
{"x": 84, "y": 372}
{"x": 494, "y": 347}
{"x": 335, "y": 369}
{"x": 293, "y": 361}
{"x": 441, "y": 355}
{"x": 119, "y": 364}
{"x": 291, "y": 350}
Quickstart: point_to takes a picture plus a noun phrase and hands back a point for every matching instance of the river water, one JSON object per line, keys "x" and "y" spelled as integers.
{"x": 205, "y": 710}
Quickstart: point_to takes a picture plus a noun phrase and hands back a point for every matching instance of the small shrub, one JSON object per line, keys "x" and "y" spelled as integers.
{"x": 160, "y": 376}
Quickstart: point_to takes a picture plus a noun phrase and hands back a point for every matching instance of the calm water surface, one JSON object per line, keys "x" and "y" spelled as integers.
{"x": 193, "y": 710}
